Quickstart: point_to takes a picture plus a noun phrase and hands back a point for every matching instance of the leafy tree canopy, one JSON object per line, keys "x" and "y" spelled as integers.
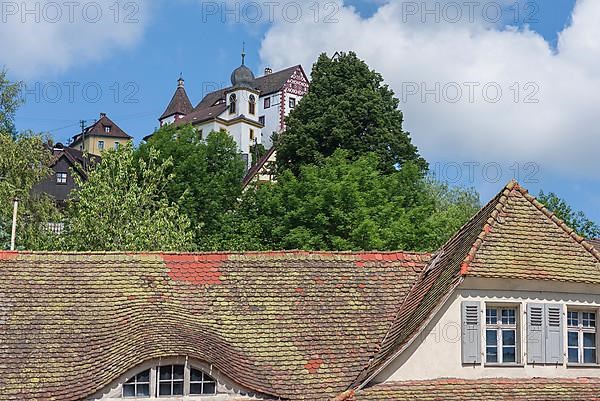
{"x": 347, "y": 107}
{"x": 23, "y": 163}
{"x": 121, "y": 207}
{"x": 577, "y": 220}
{"x": 347, "y": 205}
{"x": 10, "y": 100}
{"x": 207, "y": 174}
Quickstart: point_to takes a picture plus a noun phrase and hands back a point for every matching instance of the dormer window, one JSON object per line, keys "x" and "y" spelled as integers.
{"x": 107, "y": 128}
{"x": 232, "y": 100}
{"x": 179, "y": 379}
{"x": 252, "y": 105}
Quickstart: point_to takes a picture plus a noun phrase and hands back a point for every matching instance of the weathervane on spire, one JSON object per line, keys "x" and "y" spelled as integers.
{"x": 243, "y": 52}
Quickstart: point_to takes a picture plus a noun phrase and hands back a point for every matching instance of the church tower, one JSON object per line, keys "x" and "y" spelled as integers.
{"x": 179, "y": 106}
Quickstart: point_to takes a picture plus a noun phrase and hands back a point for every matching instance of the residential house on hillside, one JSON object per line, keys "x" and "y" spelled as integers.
{"x": 103, "y": 134}
{"x": 252, "y": 109}
{"x": 507, "y": 309}
{"x": 66, "y": 162}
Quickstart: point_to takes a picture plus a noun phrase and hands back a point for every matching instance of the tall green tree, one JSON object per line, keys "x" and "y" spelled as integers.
{"x": 577, "y": 220}
{"x": 347, "y": 205}
{"x": 347, "y": 107}
{"x": 207, "y": 174}
{"x": 23, "y": 163}
{"x": 122, "y": 207}
{"x": 10, "y": 100}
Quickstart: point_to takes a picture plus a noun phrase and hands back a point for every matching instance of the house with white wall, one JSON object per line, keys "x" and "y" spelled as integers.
{"x": 507, "y": 309}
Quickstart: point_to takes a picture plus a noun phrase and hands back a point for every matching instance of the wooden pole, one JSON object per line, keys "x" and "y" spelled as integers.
{"x": 14, "y": 225}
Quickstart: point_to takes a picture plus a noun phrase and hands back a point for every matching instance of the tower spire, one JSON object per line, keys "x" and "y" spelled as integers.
{"x": 180, "y": 81}
{"x": 243, "y": 52}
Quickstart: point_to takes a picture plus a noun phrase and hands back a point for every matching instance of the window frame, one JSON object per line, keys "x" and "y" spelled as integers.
{"x": 252, "y": 104}
{"x": 261, "y": 120}
{"x": 292, "y": 102}
{"x": 107, "y": 129}
{"x": 581, "y": 330}
{"x": 499, "y": 327}
{"x": 61, "y": 174}
{"x": 267, "y": 102}
{"x": 101, "y": 145}
{"x": 232, "y": 103}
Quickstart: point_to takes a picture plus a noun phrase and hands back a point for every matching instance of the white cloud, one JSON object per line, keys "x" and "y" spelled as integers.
{"x": 559, "y": 132}
{"x": 41, "y": 38}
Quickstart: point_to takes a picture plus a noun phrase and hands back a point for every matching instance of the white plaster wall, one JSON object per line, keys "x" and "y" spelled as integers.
{"x": 436, "y": 353}
{"x": 271, "y": 118}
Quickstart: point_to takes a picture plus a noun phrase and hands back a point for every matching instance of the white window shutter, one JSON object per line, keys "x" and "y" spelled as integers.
{"x": 536, "y": 334}
{"x": 554, "y": 333}
{"x": 471, "y": 332}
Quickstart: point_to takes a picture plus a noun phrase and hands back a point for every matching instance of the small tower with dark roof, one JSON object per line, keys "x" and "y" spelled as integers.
{"x": 179, "y": 106}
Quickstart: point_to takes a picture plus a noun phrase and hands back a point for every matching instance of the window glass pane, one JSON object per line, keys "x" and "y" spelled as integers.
{"x": 572, "y": 319}
{"x": 195, "y": 375}
{"x": 589, "y": 319}
{"x": 209, "y": 388}
{"x": 143, "y": 390}
{"x": 165, "y": 372}
{"x": 128, "y": 390}
{"x": 508, "y": 316}
{"x": 490, "y": 337}
{"x": 195, "y": 388}
{"x": 589, "y": 355}
{"x": 589, "y": 340}
{"x": 164, "y": 388}
{"x": 573, "y": 355}
{"x": 178, "y": 372}
{"x": 177, "y": 388}
{"x": 508, "y": 337}
{"x": 144, "y": 376}
{"x": 508, "y": 354}
{"x": 491, "y": 316}
{"x": 573, "y": 339}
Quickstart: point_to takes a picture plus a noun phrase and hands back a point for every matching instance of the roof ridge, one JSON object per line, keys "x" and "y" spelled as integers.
{"x": 270, "y": 252}
{"x": 560, "y": 223}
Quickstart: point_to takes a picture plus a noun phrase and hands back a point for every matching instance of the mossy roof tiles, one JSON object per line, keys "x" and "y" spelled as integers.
{"x": 294, "y": 325}
{"x": 534, "y": 389}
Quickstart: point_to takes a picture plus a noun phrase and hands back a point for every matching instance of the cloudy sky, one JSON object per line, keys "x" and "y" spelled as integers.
{"x": 491, "y": 90}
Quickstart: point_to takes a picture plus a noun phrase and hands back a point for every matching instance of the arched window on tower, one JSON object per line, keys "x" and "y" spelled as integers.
{"x": 252, "y": 105}
{"x": 232, "y": 101}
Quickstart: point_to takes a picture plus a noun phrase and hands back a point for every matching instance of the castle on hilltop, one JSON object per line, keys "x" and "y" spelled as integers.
{"x": 252, "y": 109}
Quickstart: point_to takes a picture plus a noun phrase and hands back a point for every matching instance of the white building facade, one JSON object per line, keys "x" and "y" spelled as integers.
{"x": 252, "y": 110}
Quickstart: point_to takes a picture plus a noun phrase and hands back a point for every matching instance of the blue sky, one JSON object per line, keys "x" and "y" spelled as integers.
{"x": 136, "y": 65}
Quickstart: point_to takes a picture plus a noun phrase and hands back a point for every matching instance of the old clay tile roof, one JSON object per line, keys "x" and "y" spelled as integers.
{"x": 596, "y": 243}
{"x": 534, "y": 389}
{"x": 513, "y": 236}
{"x": 97, "y": 129}
{"x": 295, "y": 325}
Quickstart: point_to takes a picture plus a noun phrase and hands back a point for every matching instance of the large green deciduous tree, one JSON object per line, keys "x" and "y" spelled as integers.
{"x": 10, "y": 100}
{"x": 122, "y": 207}
{"x": 207, "y": 174}
{"x": 347, "y": 107}
{"x": 577, "y": 220}
{"x": 23, "y": 163}
{"x": 347, "y": 205}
